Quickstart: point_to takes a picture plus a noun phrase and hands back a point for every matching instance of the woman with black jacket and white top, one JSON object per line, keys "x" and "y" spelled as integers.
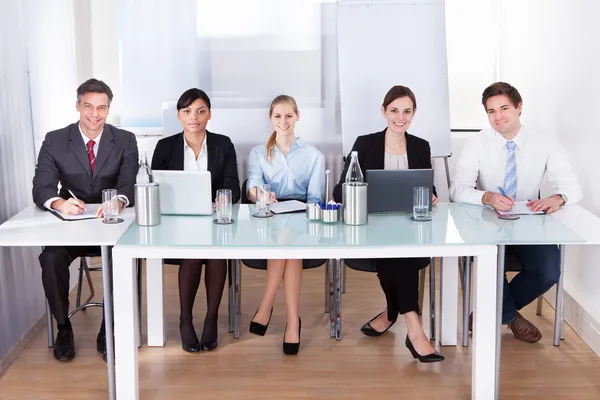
{"x": 394, "y": 148}
{"x": 196, "y": 149}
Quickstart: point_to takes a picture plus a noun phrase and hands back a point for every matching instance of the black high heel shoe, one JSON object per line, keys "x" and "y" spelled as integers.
{"x": 429, "y": 358}
{"x": 260, "y": 329}
{"x": 193, "y": 347}
{"x": 209, "y": 345}
{"x": 368, "y": 330}
{"x": 292, "y": 348}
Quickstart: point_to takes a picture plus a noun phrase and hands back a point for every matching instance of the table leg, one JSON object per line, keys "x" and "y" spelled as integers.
{"x": 155, "y": 303}
{"x": 486, "y": 338}
{"x": 449, "y": 299}
{"x": 125, "y": 294}
{"x": 327, "y": 290}
{"x": 338, "y": 298}
{"x": 330, "y": 286}
{"x": 238, "y": 298}
{"x": 108, "y": 319}
{"x": 559, "y": 323}
{"x": 230, "y": 295}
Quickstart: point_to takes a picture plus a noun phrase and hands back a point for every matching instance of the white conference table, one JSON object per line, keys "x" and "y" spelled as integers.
{"x": 293, "y": 236}
{"x": 34, "y": 227}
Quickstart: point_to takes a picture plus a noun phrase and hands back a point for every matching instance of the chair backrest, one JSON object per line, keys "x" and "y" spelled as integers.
{"x": 513, "y": 263}
{"x": 361, "y": 264}
{"x": 245, "y": 199}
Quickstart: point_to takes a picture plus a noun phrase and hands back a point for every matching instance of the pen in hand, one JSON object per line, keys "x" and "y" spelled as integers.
{"x": 503, "y": 193}
{"x": 75, "y": 197}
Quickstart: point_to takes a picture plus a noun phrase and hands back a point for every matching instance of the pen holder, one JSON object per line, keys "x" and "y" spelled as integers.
{"x": 313, "y": 212}
{"x": 330, "y": 216}
{"x": 147, "y": 204}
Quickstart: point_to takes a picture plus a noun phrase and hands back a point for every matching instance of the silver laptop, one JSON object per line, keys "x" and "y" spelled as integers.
{"x": 392, "y": 190}
{"x": 184, "y": 192}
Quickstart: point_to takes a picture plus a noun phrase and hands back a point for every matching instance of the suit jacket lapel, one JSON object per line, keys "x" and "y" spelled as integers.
{"x": 212, "y": 154}
{"x": 107, "y": 144}
{"x": 78, "y": 147}
{"x": 378, "y": 150}
{"x": 177, "y": 153}
{"x": 412, "y": 158}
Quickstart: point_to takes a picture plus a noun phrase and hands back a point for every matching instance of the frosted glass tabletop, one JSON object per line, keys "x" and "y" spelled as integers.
{"x": 452, "y": 224}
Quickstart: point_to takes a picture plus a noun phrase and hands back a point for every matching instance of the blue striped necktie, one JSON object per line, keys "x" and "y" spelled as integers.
{"x": 510, "y": 181}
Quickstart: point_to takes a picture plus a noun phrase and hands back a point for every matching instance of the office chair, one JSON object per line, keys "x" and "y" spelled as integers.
{"x": 513, "y": 264}
{"x": 367, "y": 265}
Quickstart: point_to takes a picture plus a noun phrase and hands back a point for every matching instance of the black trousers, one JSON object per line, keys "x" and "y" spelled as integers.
{"x": 55, "y": 263}
{"x": 399, "y": 279}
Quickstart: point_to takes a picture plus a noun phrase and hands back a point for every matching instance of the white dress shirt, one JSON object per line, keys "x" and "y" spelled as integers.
{"x": 190, "y": 162}
{"x": 482, "y": 164}
{"x": 86, "y": 139}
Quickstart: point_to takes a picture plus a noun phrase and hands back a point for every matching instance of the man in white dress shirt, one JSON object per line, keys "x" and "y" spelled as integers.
{"x": 513, "y": 158}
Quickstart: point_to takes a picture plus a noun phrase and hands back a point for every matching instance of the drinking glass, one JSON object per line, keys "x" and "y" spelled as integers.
{"x": 421, "y": 199}
{"x": 223, "y": 206}
{"x": 263, "y": 200}
{"x": 110, "y": 206}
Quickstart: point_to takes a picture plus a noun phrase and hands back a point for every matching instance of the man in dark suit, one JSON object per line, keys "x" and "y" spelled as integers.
{"x": 85, "y": 158}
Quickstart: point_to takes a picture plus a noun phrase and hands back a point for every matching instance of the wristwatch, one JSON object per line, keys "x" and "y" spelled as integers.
{"x": 564, "y": 197}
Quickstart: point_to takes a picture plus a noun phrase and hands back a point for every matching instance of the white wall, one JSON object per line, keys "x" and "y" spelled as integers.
{"x": 51, "y": 60}
{"x": 550, "y": 52}
{"x": 473, "y": 50}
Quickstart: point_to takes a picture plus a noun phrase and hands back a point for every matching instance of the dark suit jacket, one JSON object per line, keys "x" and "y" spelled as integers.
{"x": 222, "y": 161}
{"x": 63, "y": 158}
{"x": 371, "y": 155}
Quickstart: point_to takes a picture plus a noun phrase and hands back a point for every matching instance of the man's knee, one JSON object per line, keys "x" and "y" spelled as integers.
{"x": 53, "y": 259}
{"x": 551, "y": 272}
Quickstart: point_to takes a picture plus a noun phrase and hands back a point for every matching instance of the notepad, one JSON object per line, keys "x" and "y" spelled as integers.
{"x": 520, "y": 208}
{"x": 90, "y": 213}
{"x": 287, "y": 206}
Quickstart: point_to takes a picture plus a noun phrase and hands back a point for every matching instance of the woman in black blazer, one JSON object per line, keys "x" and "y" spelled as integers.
{"x": 394, "y": 148}
{"x": 196, "y": 149}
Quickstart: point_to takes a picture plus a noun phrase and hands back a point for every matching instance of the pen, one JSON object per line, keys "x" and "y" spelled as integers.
{"x": 503, "y": 192}
{"x": 75, "y": 197}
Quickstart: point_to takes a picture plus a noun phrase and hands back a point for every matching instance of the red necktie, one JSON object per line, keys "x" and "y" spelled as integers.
{"x": 92, "y": 158}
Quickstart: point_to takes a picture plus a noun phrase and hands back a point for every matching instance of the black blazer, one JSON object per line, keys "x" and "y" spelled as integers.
{"x": 63, "y": 158}
{"x": 222, "y": 161}
{"x": 371, "y": 155}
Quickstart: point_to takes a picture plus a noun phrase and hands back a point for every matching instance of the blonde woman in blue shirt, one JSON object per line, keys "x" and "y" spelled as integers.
{"x": 294, "y": 170}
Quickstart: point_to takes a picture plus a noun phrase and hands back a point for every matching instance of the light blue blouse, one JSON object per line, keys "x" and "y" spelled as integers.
{"x": 299, "y": 174}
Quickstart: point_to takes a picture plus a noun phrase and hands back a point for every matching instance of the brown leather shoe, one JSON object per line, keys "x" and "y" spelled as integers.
{"x": 524, "y": 330}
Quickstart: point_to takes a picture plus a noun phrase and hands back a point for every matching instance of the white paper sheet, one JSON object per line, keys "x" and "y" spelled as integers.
{"x": 287, "y": 206}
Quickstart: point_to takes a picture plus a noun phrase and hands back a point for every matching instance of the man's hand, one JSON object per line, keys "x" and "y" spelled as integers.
{"x": 100, "y": 210}
{"x": 69, "y": 207}
{"x": 497, "y": 201}
{"x": 549, "y": 205}
{"x": 434, "y": 200}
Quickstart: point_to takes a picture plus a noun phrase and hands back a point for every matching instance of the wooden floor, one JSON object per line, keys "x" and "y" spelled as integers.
{"x": 253, "y": 367}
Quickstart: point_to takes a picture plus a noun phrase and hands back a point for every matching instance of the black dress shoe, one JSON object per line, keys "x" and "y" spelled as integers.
{"x": 64, "y": 348}
{"x": 292, "y": 348}
{"x": 101, "y": 342}
{"x": 429, "y": 358}
{"x": 192, "y": 347}
{"x": 368, "y": 330}
{"x": 260, "y": 329}
{"x": 208, "y": 346}
{"x": 209, "y": 335}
